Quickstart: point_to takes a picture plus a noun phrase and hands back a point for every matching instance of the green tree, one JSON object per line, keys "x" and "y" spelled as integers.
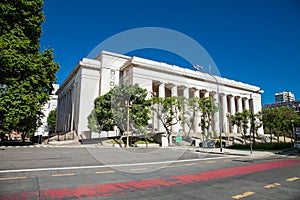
{"x": 256, "y": 124}
{"x": 268, "y": 118}
{"x": 288, "y": 116}
{"x": 168, "y": 111}
{"x": 138, "y": 110}
{"x": 241, "y": 120}
{"x": 279, "y": 121}
{"x": 111, "y": 109}
{"x": 104, "y": 114}
{"x": 207, "y": 108}
{"x": 245, "y": 122}
{"x": 51, "y": 121}
{"x": 189, "y": 112}
{"x": 26, "y": 72}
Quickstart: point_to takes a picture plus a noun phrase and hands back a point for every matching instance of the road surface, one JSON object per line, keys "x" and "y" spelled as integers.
{"x": 137, "y": 173}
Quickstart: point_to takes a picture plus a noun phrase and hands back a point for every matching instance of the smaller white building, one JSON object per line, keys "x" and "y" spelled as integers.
{"x": 47, "y": 108}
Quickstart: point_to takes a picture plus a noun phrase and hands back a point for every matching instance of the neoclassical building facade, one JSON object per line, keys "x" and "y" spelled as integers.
{"x": 95, "y": 77}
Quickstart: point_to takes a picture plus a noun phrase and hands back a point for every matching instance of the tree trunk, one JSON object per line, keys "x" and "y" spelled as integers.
{"x": 253, "y": 137}
{"x": 23, "y": 137}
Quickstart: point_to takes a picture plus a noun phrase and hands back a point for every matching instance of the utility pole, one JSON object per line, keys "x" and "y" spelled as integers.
{"x": 127, "y": 134}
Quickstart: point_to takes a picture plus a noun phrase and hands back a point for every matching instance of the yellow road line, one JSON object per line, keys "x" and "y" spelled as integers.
{"x": 245, "y": 194}
{"x": 169, "y": 166}
{"x": 25, "y": 152}
{"x": 105, "y": 172}
{"x": 138, "y": 169}
{"x": 191, "y": 164}
{"x": 211, "y": 161}
{"x": 63, "y": 174}
{"x": 272, "y": 185}
{"x": 292, "y": 179}
{"x": 12, "y": 178}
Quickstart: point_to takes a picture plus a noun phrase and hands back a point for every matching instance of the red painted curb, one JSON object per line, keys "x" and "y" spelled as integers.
{"x": 110, "y": 189}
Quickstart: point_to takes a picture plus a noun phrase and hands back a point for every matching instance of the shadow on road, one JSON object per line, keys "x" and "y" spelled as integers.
{"x": 15, "y": 143}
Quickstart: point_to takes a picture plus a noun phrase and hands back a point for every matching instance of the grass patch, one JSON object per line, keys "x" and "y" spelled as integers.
{"x": 264, "y": 146}
{"x": 114, "y": 142}
{"x": 149, "y": 141}
{"x": 144, "y": 142}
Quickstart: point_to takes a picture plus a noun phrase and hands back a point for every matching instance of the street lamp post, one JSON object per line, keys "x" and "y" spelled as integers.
{"x": 153, "y": 94}
{"x": 228, "y": 127}
{"x": 252, "y": 122}
{"x": 199, "y": 68}
{"x": 127, "y": 134}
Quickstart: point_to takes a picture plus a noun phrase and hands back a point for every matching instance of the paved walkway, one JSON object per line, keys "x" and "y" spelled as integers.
{"x": 226, "y": 151}
{"x": 105, "y": 144}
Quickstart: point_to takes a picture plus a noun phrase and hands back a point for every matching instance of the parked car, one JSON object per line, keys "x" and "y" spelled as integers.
{"x": 210, "y": 143}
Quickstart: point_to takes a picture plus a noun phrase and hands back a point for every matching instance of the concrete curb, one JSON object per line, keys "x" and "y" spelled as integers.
{"x": 223, "y": 153}
{"x": 240, "y": 152}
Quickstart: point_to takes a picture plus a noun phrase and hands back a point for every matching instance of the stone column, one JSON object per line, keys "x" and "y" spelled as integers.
{"x": 257, "y": 108}
{"x": 186, "y": 95}
{"x": 196, "y": 93}
{"x": 174, "y": 91}
{"x": 72, "y": 108}
{"x": 197, "y": 117}
{"x": 185, "y": 92}
{"x": 161, "y": 93}
{"x": 65, "y": 114}
{"x": 161, "y": 90}
{"x": 216, "y": 125}
{"x": 206, "y": 93}
{"x": 232, "y": 110}
{"x": 246, "y": 103}
{"x": 224, "y": 112}
{"x": 176, "y": 127}
{"x": 239, "y": 104}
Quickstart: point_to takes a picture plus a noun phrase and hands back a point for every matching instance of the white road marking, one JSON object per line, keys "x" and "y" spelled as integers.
{"x": 115, "y": 165}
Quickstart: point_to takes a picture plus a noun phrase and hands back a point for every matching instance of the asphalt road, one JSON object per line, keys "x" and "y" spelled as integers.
{"x": 113, "y": 173}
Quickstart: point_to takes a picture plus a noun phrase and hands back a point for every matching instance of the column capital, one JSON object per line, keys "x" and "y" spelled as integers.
{"x": 170, "y": 85}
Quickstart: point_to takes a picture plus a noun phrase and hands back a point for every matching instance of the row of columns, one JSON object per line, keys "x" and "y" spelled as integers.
{"x": 65, "y": 112}
{"x": 229, "y": 103}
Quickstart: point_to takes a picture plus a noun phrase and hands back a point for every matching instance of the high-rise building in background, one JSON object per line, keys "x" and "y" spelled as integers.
{"x": 284, "y": 97}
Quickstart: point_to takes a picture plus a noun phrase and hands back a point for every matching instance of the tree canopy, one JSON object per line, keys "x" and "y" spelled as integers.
{"x": 111, "y": 109}
{"x": 51, "y": 121}
{"x": 27, "y": 73}
{"x": 207, "y": 107}
{"x": 280, "y": 121}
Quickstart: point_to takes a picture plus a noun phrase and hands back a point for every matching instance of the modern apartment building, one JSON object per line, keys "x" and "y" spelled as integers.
{"x": 284, "y": 97}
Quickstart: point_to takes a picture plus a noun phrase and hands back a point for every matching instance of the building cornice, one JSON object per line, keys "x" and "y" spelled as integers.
{"x": 84, "y": 63}
{"x": 187, "y": 73}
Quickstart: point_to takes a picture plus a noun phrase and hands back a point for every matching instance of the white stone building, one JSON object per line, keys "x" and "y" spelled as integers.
{"x": 92, "y": 78}
{"x": 47, "y": 108}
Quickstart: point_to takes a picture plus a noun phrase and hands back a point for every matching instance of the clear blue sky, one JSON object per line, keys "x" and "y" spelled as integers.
{"x": 252, "y": 41}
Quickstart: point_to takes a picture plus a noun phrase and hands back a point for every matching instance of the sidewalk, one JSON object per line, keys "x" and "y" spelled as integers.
{"x": 226, "y": 151}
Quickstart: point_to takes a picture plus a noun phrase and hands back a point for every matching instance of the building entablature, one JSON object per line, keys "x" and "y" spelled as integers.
{"x": 189, "y": 74}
